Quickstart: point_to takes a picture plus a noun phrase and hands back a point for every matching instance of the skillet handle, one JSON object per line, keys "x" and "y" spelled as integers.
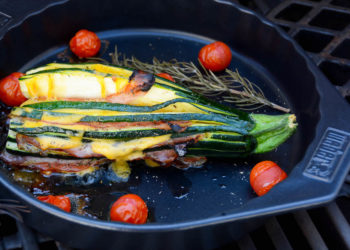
{"x": 319, "y": 176}
{"x": 327, "y": 161}
{"x": 309, "y": 185}
{"x": 329, "y": 156}
{"x": 14, "y": 12}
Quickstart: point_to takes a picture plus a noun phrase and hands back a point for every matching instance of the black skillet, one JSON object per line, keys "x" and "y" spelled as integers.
{"x": 198, "y": 208}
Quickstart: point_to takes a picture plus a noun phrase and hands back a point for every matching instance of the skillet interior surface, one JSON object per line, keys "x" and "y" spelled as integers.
{"x": 222, "y": 184}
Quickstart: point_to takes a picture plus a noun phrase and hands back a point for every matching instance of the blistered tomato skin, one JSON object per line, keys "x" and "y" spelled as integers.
{"x": 166, "y": 76}
{"x": 60, "y": 201}
{"x": 216, "y": 56}
{"x": 265, "y": 175}
{"x": 129, "y": 208}
{"x": 85, "y": 44}
{"x": 10, "y": 91}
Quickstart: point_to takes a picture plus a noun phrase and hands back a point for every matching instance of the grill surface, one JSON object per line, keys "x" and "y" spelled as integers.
{"x": 320, "y": 228}
{"x": 322, "y": 28}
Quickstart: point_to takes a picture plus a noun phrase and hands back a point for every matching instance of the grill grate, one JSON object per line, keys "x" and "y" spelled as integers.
{"x": 322, "y": 28}
{"x": 320, "y": 228}
{"x": 16, "y": 235}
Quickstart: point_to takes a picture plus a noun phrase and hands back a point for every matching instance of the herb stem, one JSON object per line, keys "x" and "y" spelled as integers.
{"x": 261, "y": 100}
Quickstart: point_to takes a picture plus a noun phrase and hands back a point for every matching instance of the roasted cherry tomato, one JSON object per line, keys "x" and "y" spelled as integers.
{"x": 166, "y": 76}
{"x": 85, "y": 44}
{"x": 265, "y": 175}
{"x": 215, "y": 56}
{"x": 60, "y": 201}
{"x": 10, "y": 91}
{"x": 129, "y": 208}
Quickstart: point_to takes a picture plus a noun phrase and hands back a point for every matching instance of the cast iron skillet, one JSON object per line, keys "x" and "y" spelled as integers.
{"x": 206, "y": 207}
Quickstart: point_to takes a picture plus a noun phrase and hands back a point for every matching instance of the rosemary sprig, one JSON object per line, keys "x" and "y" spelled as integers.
{"x": 231, "y": 85}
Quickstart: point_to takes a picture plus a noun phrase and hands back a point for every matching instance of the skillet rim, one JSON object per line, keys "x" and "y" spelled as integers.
{"x": 191, "y": 224}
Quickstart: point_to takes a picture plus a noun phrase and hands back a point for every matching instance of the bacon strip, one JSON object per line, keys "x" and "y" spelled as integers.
{"x": 51, "y": 164}
{"x": 26, "y": 143}
{"x": 189, "y": 162}
{"x": 169, "y": 157}
{"x": 163, "y": 157}
{"x": 178, "y": 126}
{"x": 139, "y": 84}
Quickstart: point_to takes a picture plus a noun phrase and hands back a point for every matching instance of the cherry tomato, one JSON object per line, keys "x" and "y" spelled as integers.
{"x": 265, "y": 175}
{"x": 60, "y": 201}
{"x": 215, "y": 56}
{"x": 85, "y": 43}
{"x": 10, "y": 91}
{"x": 129, "y": 208}
{"x": 166, "y": 76}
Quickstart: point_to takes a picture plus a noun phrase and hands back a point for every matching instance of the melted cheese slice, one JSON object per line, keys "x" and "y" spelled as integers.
{"x": 111, "y": 149}
{"x": 155, "y": 95}
{"x": 123, "y": 150}
{"x": 69, "y": 85}
{"x": 56, "y": 142}
{"x": 121, "y": 168}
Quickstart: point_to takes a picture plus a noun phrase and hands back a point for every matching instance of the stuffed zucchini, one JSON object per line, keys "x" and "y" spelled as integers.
{"x": 107, "y": 114}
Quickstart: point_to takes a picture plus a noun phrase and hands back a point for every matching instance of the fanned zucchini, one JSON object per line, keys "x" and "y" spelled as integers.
{"x": 95, "y": 110}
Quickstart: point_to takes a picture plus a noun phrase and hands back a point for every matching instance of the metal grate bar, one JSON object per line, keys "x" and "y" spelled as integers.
{"x": 303, "y": 23}
{"x": 322, "y": 28}
{"x": 345, "y": 190}
{"x": 277, "y": 235}
{"x": 60, "y": 246}
{"x": 263, "y": 6}
{"x": 12, "y": 241}
{"x": 348, "y": 177}
{"x": 310, "y": 231}
{"x": 340, "y": 222}
{"x": 28, "y": 238}
{"x": 246, "y": 243}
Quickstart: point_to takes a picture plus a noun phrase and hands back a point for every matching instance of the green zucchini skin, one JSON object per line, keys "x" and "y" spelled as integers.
{"x": 102, "y": 105}
{"x": 49, "y": 106}
{"x": 92, "y": 134}
{"x": 272, "y": 131}
{"x": 211, "y": 152}
{"x": 166, "y": 117}
{"x": 45, "y": 129}
{"x": 100, "y": 134}
{"x": 241, "y": 126}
